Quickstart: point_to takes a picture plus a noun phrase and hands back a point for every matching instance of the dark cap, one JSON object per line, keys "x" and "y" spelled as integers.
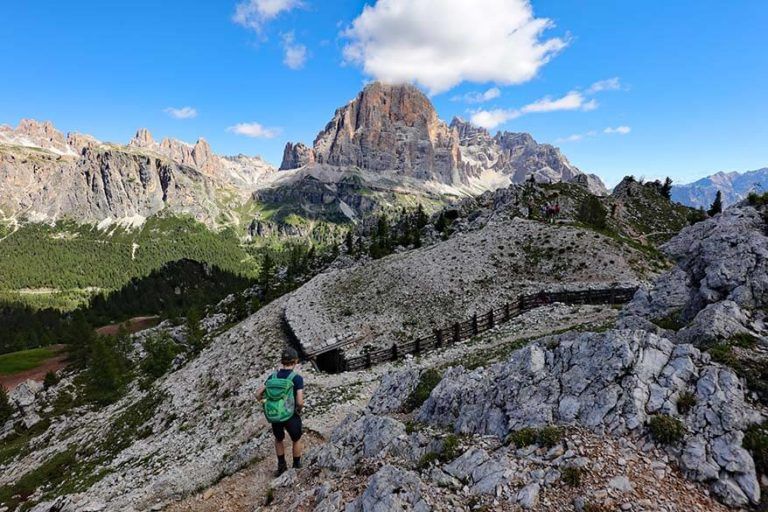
{"x": 289, "y": 355}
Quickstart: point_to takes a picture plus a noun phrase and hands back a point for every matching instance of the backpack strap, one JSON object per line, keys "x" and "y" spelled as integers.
{"x": 291, "y": 375}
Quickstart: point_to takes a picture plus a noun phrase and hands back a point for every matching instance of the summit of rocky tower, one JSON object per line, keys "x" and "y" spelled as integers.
{"x": 395, "y": 128}
{"x": 389, "y": 128}
{"x": 142, "y": 139}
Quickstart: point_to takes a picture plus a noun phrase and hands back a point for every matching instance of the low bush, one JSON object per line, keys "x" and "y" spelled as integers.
{"x": 50, "y": 380}
{"x": 685, "y": 402}
{"x": 523, "y": 437}
{"x": 666, "y": 429}
{"x": 428, "y": 380}
{"x": 161, "y": 350}
{"x": 756, "y": 442}
{"x": 547, "y": 437}
{"x": 571, "y": 475}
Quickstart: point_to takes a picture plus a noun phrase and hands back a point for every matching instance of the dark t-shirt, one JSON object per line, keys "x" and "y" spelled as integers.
{"x": 298, "y": 380}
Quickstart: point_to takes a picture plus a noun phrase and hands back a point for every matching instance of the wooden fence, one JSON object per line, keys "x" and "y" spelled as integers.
{"x": 476, "y": 325}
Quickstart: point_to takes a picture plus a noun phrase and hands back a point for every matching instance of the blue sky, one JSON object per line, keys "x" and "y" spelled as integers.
{"x": 681, "y": 85}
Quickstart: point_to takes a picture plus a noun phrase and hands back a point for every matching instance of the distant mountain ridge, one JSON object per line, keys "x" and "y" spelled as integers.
{"x": 734, "y": 186}
{"x": 49, "y": 176}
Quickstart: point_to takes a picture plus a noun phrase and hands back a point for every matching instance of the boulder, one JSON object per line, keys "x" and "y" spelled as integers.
{"x": 391, "y": 488}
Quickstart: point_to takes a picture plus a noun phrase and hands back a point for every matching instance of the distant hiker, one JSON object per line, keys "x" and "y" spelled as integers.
{"x": 283, "y": 399}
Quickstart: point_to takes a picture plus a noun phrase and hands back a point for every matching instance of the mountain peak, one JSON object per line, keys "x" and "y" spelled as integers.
{"x": 142, "y": 139}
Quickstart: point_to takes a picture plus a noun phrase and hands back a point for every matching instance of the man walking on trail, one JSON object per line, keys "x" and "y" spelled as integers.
{"x": 283, "y": 399}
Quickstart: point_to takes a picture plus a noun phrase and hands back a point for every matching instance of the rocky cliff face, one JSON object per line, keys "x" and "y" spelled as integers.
{"x": 391, "y": 128}
{"x": 518, "y": 156}
{"x": 49, "y": 176}
{"x": 396, "y": 128}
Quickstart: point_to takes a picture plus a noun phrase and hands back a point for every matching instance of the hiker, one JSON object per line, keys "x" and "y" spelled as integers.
{"x": 283, "y": 397}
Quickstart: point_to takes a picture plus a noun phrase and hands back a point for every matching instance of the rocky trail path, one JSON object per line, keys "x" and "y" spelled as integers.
{"x": 332, "y": 397}
{"x": 244, "y": 491}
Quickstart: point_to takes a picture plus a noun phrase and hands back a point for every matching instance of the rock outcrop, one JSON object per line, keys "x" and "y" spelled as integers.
{"x": 518, "y": 156}
{"x": 297, "y": 155}
{"x": 611, "y": 383}
{"x": 719, "y": 284}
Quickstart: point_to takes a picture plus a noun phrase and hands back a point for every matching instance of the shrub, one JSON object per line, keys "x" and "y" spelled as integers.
{"x": 6, "y": 409}
{"x": 426, "y": 460}
{"x": 50, "y": 380}
{"x": 756, "y": 199}
{"x": 666, "y": 429}
{"x": 428, "y": 380}
{"x": 450, "y": 448}
{"x": 523, "y": 437}
{"x": 670, "y": 322}
{"x": 161, "y": 350}
{"x": 107, "y": 371}
{"x": 549, "y": 436}
{"x": 571, "y": 475}
{"x": 592, "y": 213}
{"x": 685, "y": 402}
{"x": 743, "y": 340}
{"x": 756, "y": 442}
{"x": 723, "y": 354}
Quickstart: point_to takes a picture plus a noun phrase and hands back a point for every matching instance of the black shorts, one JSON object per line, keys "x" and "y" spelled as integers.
{"x": 293, "y": 426}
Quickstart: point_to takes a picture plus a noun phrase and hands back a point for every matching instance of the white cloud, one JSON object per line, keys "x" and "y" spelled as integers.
{"x": 577, "y": 137}
{"x": 254, "y": 14}
{"x": 441, "y": 43}
{"x": 295, "y": 54}
{"x": 612, "y": 84}
{"x": 621, "y": 130}
{"x": 254, "y": 130}
{"x": 181, "y": 113}
{"x": 574, "y": 100}
{"x": 479, "y": 97}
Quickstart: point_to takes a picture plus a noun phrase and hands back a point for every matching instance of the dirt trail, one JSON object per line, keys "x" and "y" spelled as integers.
{"x": 52, "y": 364}
{"x": 133, "y": 325}
{"x": 246, "y": 490}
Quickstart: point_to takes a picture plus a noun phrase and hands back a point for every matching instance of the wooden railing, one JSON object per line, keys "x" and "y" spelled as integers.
{"x": 478, "y": 324}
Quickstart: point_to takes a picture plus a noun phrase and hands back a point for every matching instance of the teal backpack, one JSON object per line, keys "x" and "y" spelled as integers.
{"x": 279, "y": 403}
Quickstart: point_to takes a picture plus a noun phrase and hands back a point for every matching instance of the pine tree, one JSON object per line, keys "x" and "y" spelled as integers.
{"x": 6, "y": 409}
{"x": 194, "y": 332}
{"x": 349, "y": 243}
{"x": 266, "y": 275}
{"x": 593, "y": 213}
{"x": 717, "y": 205}
{"x": 666, "y": 188}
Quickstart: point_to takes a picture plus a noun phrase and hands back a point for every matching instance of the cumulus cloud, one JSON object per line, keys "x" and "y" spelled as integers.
{"x": 621, "y": 130}
{"x": 574, "y": 100}
{"x": 254, "y": 130}
{"x": 441, "y": 43}
{"x": 612, "y": 84}
{"x": 479, "y": 97}
{"x": 253, "y": 14}
{"x": 294, "y": 53}
{"x": 181, "y": 113}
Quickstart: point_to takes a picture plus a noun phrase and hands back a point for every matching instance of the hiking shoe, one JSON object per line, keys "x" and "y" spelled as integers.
{"x": 297, "y": 465}
{"x": 281, "y": 468}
